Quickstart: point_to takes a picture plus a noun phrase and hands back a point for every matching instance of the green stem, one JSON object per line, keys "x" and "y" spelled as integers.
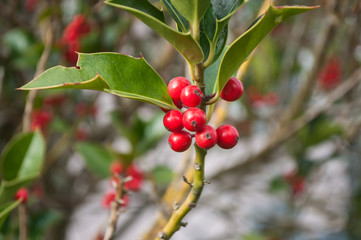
{"x": 212, "y": 51}
{"x": 175, "y": 222}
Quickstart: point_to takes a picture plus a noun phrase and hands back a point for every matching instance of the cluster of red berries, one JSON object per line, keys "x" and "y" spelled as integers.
{"x": 133, "y": 184}
{"x": 194, "y": 119}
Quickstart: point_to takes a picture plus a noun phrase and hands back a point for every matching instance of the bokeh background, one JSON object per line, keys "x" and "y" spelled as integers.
{"x": 295, "y": 173}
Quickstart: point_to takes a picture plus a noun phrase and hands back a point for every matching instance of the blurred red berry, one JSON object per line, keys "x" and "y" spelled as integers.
{"x": 137, "y": 178}
{"x": 22, "y": 194}
{"x": 108, "y": 198}
{"x": 296, "y": 182}
{"x": 80, "y": 109}
{"x": 83, "y": 109}
{"x": 77, "y": 29}
{"x": 54, "y": 100}
{"x": 330, "y": 75}
{"x": 298, "y": 185}
{"x": 30, "y": 5}
{"x": 81, "y": 134}
{"x": 40, "y": 119}
{"x": 38, "y": 191}
{"x": 92, "y": 110}
{"x": 116, "y": 168}
{"x": 259, "y": 100}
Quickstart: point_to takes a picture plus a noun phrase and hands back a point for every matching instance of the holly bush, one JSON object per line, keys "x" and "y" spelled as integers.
{"x": 62, "y": 120}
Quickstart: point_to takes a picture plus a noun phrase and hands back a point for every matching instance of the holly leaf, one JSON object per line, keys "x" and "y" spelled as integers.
{"x": 210, "y": 74}
{"x": 97, "y": 158}
{"x": 154, "y": 18}
{"x": 214, "y": 27}
{"x": 23, "y": 156}
{"x": 114, "y": 73}
{"x": 182, "y": 23}
{"x": 192, "y": 10}
{"x": 242, "y": 47}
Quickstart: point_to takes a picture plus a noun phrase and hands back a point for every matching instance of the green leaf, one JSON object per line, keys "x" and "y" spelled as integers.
{"x": 218, "y": 15}
{"x": 114, "y": 73}
{"x": 214, "y": 24}
{"x": 97, "y": 158}
{"x": 150, "y": 15}
{"x": 210, "y": 74}
{"x": 182, "y": 23}
{"x": 243, "y": 46}
{"x": 23, "y": 156}
{"x": 6, "y": 209}
{"x": 192, "y": 10}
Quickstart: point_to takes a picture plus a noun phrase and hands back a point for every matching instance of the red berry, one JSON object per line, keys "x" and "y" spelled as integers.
{"x": 176, "y": 86}
{"x": 116, "y": 168}
{"x": 22, "y": 194}
{"x": 194, "y": 119}
{"x": 172, "y": 121}
{"x": 191, "y": 96}
{"x": 298, "y": 185}
{"x": 178, "y": 103}
{"x": 109, "y": 197}
{"x": 180, "y": 141}
{"x": 40, "y": 119}
{"x": 206, "y": 138}
{"x": 227, "y": 136}
{"x": 137, "y": 178}
{"x": 233, "y": 90}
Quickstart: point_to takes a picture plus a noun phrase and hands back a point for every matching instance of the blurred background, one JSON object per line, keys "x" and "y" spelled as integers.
{"x": 295, "y": 173}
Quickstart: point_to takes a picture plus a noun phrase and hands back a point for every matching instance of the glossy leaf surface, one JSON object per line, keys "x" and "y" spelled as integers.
{"x": 114, "y": 73}
{"x": 192, "y": 10}
{"x": 242, "y": 47}
{"x": 182, "y": 23}
{"x": 183, "y": 42}
{"x": 214, "y": 27}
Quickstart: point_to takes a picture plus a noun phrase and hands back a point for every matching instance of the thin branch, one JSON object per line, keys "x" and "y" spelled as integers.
{"x": 23, "y": 232}
{"x": 114, "y": 211}
{"x": 40, "y": 68}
